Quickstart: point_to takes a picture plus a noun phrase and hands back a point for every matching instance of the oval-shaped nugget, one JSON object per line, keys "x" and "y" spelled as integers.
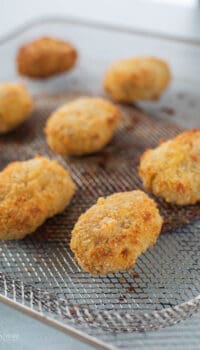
{"x": 172, "y": 170}
{"x": 45, "y": 57}
{"x": 82, "y": 126}
{"x": 141, "y": 78}
{"x": 30, "y": 192}
{"x": 111, "y": 235}
{"x": 15, "y": 105}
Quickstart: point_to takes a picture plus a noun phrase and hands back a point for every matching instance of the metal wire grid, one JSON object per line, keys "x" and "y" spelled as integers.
{"x": 183, "y": 336}
{"x": 163, "y": 278}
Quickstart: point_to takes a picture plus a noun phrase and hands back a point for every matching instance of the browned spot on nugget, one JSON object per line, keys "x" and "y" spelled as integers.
{"x": 194, "y": 157}
{"x": 147, "y": 216}
{"x": 125, "y": 252}
{"x": 180, "y": 187}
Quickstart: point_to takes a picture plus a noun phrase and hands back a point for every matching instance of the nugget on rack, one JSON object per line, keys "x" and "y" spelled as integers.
{"x": 82, "y": 126}
{"x": 30, "y": 192}
{"x": 172, "y": 170}
{"x": 45, "y": 57}
{"x": 141, "y": 78}
{"x": 15, "y": 105}
{"x": 111, "y": 235}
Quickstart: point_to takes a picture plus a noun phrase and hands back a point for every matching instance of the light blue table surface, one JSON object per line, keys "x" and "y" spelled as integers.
{"x": 18, "y": 331}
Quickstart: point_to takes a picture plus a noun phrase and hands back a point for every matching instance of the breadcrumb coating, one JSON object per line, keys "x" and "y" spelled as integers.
{"x": 30, "y": 192}
{"x": 140, "y": 78}
{"x": 172, "y": 170}
{"x": 82, "y": 126}
{"x": 45, "y": 57}
{"x": 111, "y": 235}
{"x": 15, "y": 105}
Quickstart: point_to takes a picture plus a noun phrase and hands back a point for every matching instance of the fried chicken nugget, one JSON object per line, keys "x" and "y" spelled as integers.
{"x": 111, "y": 235}
{"x": 141, "y": 78}
{"x": 172, "y": 170}
{"x": 45, "y": 57}
{"x": 82, "y": 126}
{"x": 15, "y": 105}
{"x": 30, "y": 192}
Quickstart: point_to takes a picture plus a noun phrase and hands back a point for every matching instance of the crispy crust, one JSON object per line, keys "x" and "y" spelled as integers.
{"x": 82, "y": 126}
{"x": 45, "y": 57}
{"x": 15, "y": 105}
{"x": 111, "y": 235}
{"x": 141, "y": 78}
{"x": 172, "y": 170}
{"x": 30, "y": 192}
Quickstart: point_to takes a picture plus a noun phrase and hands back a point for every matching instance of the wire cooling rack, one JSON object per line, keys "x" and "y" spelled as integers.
{"x": 39, "y": 273}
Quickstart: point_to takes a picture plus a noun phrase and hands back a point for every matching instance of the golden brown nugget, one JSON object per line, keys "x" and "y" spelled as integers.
{"x": 30, "y": 192}
{"x": 172, "y": 170}
{"x": 45, "y": 57}
{"x": 82, "y": 126}
{"x": 111, "y": 235}
{"x": 141, "y": 78}
{"x": 15, "y": 105}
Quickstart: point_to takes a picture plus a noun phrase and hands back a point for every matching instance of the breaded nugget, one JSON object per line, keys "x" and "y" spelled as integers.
{"x": 15, "y": 105}
{"x": 30, "y": 192}
{"x": 172, "y": 170}
{"x": 45, "y": 57}
{"x": 82, "y": 126}
{"x": 141, "y": 78}
{"x": 111, "y": 235}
